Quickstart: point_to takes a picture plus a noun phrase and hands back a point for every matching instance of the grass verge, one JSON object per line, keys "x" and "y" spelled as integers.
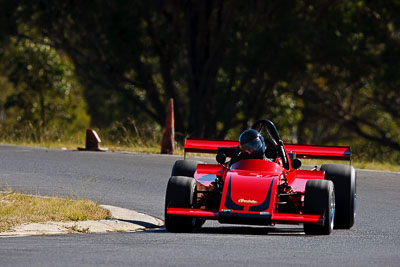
{"x": 17, "y": 208}
{"x": 378, "y": 166}
{"x": 140, "y": 148}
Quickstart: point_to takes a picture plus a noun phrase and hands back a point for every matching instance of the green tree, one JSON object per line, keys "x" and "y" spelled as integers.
{"x": 133, "y": 55}
{"x": 44, "y": 95}
{"x": 325, "y": 71}
{"x": 351, "y": 85}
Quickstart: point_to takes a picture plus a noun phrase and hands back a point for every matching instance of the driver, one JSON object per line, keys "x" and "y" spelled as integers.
{"x": 251, "y": 146}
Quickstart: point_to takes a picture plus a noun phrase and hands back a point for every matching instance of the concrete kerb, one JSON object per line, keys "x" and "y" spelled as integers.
{"x": 123, "y": 220}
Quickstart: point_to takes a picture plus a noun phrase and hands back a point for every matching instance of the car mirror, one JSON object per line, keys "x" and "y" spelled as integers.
{"x": 221, "y": 158}
{"x": 296, "y": 163}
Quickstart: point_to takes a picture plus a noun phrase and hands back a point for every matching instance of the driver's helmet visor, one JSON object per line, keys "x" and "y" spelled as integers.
{"x": 251, "y": 146}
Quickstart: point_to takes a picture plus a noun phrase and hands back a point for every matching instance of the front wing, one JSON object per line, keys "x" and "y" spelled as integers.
{"x": 260, "y": 218}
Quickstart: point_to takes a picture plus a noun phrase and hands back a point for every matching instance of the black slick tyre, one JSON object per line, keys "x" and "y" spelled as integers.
{"x": 344, "y": 178}
{"x": 320, "y": 199}
{"x": 185, "y": 168}
{"x": 180, "y": 194}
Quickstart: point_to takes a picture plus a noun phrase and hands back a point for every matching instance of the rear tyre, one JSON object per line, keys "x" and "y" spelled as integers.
{"x": 320, "y": 199}
{"x": 344, "y": 179}
{"x": 185, "y": 168}
{"x": 180, "y": 194}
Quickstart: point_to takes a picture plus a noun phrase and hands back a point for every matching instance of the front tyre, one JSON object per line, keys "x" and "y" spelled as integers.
{"x": 319, "y": 198}
{"x": 180, "y": 194}
{"x": 344, "y": 179}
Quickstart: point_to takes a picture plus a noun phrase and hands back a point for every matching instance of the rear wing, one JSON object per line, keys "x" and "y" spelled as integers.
{"x": 320, "y": 152}
{"x": 203, "y": 145}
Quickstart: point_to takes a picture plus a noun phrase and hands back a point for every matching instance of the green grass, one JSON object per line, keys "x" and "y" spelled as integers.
{"x": 379, "y": 166}
{"x": 74, "y": 144}
{"x": 17, "y": 208}
{"x": 149, "y": 148}
{"x": 115, "y": 139}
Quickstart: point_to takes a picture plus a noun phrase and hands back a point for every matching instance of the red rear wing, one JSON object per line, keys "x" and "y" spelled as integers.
{"x": 203, "y": 145}
{"x": 320, "y": 152}
{"x": 200, "y": 145}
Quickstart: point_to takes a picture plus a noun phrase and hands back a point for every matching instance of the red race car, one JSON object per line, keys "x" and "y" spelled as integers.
{"x": 262, "y": 191}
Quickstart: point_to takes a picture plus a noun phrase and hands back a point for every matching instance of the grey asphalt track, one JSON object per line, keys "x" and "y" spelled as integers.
{"x": 138, "y": 181}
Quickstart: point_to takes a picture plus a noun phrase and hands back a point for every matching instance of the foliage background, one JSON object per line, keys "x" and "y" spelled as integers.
{"x": 326, "y": 72}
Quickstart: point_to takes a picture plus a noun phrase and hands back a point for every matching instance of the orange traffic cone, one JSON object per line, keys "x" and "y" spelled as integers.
{"x": 168, "y": 140}
{"x": 92, "y": 141}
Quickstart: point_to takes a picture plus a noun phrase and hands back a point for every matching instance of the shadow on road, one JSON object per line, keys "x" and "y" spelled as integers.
{"x": 141, "y": 223}
{"x": 242, "y": 230}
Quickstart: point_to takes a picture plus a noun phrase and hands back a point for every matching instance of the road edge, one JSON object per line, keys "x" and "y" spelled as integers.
{"x": 123, "y": 220}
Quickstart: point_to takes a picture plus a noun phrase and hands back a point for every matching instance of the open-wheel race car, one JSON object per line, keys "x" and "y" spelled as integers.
{"x": 262, "y": 191}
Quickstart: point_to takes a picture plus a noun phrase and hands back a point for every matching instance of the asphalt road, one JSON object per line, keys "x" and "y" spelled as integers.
{"x": 138, "y": 181}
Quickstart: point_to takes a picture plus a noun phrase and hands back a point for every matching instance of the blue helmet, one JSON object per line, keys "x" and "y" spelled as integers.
{"x": 252, "y": 142}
